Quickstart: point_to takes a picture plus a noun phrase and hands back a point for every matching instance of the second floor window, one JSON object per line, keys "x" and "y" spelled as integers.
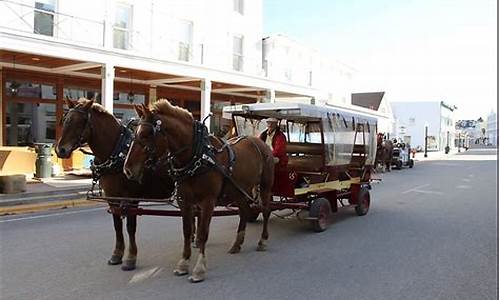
{"x": 237, "y": 53}
{"x": 122, "y": 26}
{"x": 185, "y": 37}
{"x": 44, "y": 17}
{"x": 238, "y": 6}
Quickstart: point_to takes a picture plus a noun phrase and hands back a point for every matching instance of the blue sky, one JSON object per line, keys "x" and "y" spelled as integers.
{"x": 412, "y": 49}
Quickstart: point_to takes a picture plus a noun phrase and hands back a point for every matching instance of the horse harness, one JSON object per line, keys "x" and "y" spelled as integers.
{"x": 115, "y": 161}
{"x": 203, "y": 158}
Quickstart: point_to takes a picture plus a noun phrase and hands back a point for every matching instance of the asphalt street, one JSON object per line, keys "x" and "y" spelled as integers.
{"x": 431, "y": 233}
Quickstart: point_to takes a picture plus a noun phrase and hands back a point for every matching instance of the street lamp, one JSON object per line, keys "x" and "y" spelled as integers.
{"x": 425, "y": 142}
{"x": 447, "y": 148}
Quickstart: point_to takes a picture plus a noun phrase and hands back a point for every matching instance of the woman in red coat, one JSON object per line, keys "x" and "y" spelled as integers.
{"x": 277, "y": 141}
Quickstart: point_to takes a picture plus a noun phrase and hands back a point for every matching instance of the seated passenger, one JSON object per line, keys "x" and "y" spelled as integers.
{"x": 277, "y": 141}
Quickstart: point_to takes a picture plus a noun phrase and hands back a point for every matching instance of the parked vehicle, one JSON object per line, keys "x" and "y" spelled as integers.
{"x": 401, "y": 156}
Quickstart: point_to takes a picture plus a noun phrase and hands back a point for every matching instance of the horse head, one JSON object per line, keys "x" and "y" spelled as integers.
{"x": 147, "y": 147}
{"x": 76, "y": 127}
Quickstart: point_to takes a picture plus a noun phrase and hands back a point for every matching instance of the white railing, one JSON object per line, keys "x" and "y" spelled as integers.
{"x": 16, "y": 17}
{"x": 20, "y": 17}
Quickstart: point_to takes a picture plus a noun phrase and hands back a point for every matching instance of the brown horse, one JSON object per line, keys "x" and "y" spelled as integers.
{"x": 87, "y": 122}
{"x": 384, "y": 152}
{"x": 197, "y": 162}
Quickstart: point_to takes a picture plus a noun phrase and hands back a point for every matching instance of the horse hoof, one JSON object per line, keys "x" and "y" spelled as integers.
{"x": 128, "y": 265}
{"x": 195, "y": 245}
{"x": 234, "y": 250}
{"x": 115, "y": 260}
{"x": 178, "y": 272}
{"x": 261, "y": 247}
{"x": 195, "y": 279}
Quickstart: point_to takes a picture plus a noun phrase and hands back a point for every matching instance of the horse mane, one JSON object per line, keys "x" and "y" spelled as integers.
{"x": 95, "y": 107}
{"x": 164, "y": 107}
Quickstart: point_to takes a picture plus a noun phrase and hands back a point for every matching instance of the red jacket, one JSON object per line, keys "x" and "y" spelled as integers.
{"x": 279, "y": 146}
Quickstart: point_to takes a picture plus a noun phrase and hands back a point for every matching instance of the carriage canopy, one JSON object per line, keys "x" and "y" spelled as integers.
{"x": 337, "y": 129}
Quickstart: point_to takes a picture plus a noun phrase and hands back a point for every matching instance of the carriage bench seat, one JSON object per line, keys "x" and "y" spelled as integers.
{"x": 305, "y": 156}
{"x": 311, "y": 163}
{"x": 305, "y": 148}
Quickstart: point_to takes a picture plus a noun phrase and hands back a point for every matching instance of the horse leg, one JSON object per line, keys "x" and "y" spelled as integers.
{"x": 193, "y": 233}
{"x": 116, "y": 257}
{"x": 200, "y": 269}
{"x": 266, "y": 212}
{"x": 129, "y": 263}
{"x": 196, "y": 212}
{"x": 182, "y": 267}
{"x": 244, "y": 211}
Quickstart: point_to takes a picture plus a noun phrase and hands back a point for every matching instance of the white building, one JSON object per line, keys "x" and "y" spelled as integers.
{"x": 492, "y": 129}
{"x": 411, "y": 119}
{"x": 200, "y": 54}
{"x": 285, "y": 59}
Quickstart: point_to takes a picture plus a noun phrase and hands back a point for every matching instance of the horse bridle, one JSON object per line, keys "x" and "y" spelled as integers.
{"x": 86, "y": 127}
{"x": 149, "y": 148}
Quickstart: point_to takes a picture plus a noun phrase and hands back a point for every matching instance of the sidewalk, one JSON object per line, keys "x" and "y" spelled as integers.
{"x": 67, "y": 187}
{"x": 434, "y": 155}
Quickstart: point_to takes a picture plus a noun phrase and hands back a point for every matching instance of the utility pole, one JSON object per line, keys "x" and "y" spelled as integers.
{"x": 426, "y": 132}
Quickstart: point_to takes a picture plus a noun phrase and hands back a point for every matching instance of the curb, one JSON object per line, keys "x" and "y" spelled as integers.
{"x": 26, "y": 208}
{"x": 48, "y": 196}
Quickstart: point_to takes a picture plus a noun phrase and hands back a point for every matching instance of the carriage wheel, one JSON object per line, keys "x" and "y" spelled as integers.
{"x": 399, "y": 165}
{"x": 363, "y": 202}
{"x": 321, "y": 210}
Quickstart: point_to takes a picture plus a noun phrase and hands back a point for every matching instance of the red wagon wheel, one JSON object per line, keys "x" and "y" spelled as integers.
{"x": 320, "y": 210}
{"x": 363, "y": 202}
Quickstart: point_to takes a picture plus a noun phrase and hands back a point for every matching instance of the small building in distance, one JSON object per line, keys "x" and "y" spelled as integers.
{"x": 492, "y": 129}
{"x": 412, "y": 118}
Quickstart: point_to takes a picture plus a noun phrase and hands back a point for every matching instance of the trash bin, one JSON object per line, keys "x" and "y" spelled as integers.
{"x": 43, "y": 164}
{"x": 447, "y": 149}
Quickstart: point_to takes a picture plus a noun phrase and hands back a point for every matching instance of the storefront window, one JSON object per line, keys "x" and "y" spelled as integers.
{"x": 123, "y": 98}
{"x": 29, "y": 123}
{"x": 77, "y": 93}
{"x": 125, "y": 114}
{"x": 218, "y": 125}
{"x": 30, "y": 90}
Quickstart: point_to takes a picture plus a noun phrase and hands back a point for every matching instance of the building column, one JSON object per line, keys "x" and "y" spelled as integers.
{"x": 107, "y": 89}
{"x": 270, "y": 96}
{"x": 152, "y": 94}
{"x": 206, "y": 89}
{"x": 2, "y": 83}
{"x": 59, "y": 106}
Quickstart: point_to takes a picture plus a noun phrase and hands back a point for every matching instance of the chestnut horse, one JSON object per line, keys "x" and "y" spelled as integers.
{"x": 384, "y": 152}
{"x": 88, "y": 122}
{"x": 207, "y": 172}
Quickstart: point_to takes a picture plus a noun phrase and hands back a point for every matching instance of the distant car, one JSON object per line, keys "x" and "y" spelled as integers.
{"x": 401, "y": 156}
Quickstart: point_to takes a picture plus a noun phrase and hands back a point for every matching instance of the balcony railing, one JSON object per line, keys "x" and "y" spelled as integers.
{"x": 16, "y": 17}
{"x": 24, "y": 18}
